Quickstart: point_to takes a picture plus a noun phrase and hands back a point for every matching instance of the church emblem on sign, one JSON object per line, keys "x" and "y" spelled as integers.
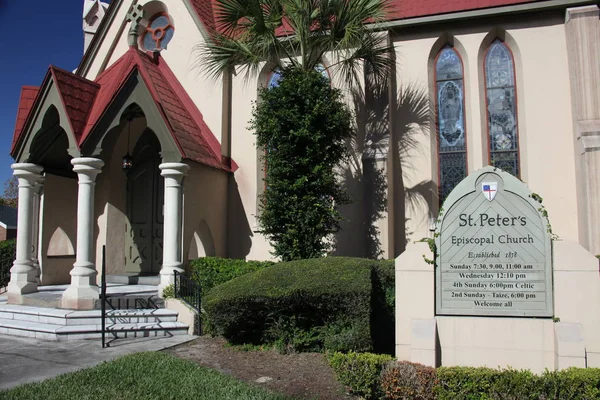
{"x": 489, "y": 190}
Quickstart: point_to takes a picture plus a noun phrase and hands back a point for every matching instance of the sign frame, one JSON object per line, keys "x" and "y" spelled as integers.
{"x": 507, "y": 189}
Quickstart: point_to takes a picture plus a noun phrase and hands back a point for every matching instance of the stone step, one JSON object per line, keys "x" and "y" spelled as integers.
{"x": 133, "y": 279}
{"x": 63, "y": 317}
{"x": 50, "y": 331}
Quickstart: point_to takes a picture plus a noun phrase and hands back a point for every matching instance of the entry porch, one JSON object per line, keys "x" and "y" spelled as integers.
{"x": 124, "y": 162}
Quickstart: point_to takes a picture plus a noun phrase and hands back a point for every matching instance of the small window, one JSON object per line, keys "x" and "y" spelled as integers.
{"x": 502, "y": 108}
{"x": 158, "y": 34}
{"x": 452, "y": 140}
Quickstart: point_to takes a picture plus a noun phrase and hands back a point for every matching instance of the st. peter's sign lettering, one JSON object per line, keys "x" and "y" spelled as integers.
{"x": 493, "y": 250}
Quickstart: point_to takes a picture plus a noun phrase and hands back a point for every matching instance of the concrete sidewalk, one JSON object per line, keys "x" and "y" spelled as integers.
{"x": 24, "y": 360}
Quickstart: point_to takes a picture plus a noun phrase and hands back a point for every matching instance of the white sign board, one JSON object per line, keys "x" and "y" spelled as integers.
{"x": 493, "y": 250}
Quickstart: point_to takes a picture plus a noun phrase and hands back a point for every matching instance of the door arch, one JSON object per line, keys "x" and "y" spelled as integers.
{"x": 145, "y": 199}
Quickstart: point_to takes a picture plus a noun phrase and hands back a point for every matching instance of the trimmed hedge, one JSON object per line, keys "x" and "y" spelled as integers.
{"x": 359, "y": 371}
{"x": 209, "y": 272}
{"x": 406, "y": 380}
{"x": 8, "y": 250}
{"x": 305, "y": 305}
{"x": 487, "y": 383}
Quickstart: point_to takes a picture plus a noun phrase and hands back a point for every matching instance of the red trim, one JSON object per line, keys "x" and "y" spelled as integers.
{"x": 161, "y": 29}
{"x": 437, "y": 117}
{"x": 208, "y": 10}
{"x": 487, "y": 113}
{"x": 86, "y": 102}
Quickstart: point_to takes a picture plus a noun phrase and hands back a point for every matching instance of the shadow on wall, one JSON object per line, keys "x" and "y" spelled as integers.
{"x": 239, "y": 233}
{"x": 365, "y": 177}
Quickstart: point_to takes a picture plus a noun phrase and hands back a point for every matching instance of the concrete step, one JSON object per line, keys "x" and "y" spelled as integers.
{"x": 49, "y": 331}
{"x": 65, "y": 317}
{"x": 133, "y": 279}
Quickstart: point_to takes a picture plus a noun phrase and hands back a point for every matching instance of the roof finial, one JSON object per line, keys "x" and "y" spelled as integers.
{"x": 135, "y": 16}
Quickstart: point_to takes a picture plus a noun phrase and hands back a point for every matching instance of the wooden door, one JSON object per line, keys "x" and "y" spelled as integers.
{"x": 145, "y": 198}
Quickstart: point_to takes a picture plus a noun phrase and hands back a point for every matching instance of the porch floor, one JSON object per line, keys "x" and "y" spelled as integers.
{"x": 50, "y": 296}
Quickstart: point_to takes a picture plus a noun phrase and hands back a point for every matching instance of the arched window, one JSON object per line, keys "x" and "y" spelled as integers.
{"x": 452, "y": 140}
{"x": 501, "y": 105}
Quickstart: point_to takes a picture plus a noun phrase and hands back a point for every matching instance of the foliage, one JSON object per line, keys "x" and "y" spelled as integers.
{"x": 302, "y": 124}
{"x": 8, "y": 250}
{"x": 300, "y": 305}
{"x": 143, "y": 376}
{"x": 406, "y": 380}
{"x": 10, "y": 197}
{"x": 253, "y": 31}
{"x": 209, "y": 272}
{"x": 487, "y": 383}
{"x": 169, "y": 292}
{"x": 359, "y": 371}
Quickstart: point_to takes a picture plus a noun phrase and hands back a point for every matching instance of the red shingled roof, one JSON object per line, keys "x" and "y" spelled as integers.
{"x": 85, "y": 102}
{"x": 77, "y": 95}
{"x": 28, "y": 95}
{"x": 400, "y": 9}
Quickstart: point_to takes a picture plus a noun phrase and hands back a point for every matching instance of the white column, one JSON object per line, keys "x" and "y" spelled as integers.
{"x": 83, "y": 291}
{"x": 172, "y": 260}
{"x": 35, "y": 230}
{"x": 22, "y": 273}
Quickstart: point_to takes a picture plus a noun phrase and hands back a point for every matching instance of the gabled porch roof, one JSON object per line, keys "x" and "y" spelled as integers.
{"x": 85, "y": 102}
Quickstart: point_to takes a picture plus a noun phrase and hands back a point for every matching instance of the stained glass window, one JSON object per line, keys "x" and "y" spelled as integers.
{"x": 452, "y": 141}
{"x": 502, "y": 108}
{"x": 158, "y": 33}
{"x": 275, "y": 76}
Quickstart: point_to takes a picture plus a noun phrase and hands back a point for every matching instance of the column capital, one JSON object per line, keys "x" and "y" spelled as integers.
{"x": 174, "y": 170}
{"x": 87, "y": 166}
{"x": 28, "y": 171}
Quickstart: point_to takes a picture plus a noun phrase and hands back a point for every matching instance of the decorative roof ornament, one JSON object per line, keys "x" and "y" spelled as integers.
{"x": 134, "y": 15}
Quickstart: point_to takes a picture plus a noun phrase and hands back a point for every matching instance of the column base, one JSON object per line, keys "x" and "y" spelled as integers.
{"x": 22, "y": 279}
{"x": 167, "y": 277}
{"x": 80, "y": 298}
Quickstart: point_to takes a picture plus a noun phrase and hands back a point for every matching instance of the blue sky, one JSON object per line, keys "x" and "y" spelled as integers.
{"x": 35, "y": 34}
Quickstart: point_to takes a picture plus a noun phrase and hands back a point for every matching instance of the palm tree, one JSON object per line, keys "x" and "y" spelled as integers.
{"x": 298, "y": 33}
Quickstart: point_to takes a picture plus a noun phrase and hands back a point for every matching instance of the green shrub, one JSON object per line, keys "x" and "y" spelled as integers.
{"x": 168, "y": 292}
{"x": 359, "y": 371}
{"x": 572, "y": 383}
{"x": 209, "y": 272}
{"x": 8, "y": 250}
{"x": 487, "y": 383}
{"x": 298, "y": 305}
{"x": 405, "y": 380}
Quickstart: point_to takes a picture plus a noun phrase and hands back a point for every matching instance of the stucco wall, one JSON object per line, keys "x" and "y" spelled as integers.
{"x": 181, "y": 56}
{"x": 544, "y": 113}
{"x": 544, "y": 124}
{"x": 205, "y": 211}
{"x": 58, "y": 229}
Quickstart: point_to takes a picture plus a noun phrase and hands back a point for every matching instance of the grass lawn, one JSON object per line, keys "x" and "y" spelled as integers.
{"x": 142, "y": 376}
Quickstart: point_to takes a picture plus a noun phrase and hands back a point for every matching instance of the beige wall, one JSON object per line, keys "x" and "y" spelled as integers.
{"x": 205, "y": 211}
{"x": 181, "y": 56}
{"x": 58, "y": 229}
{"x": 544, "y": 111}
{"x": 544, "y": 123}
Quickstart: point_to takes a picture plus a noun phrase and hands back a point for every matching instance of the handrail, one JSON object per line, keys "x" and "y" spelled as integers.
{"x": 103, "y": 296}
{"x": 190, "y": 293}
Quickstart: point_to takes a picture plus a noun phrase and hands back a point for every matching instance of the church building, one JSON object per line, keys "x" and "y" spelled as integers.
{"x": 140, "y": 151}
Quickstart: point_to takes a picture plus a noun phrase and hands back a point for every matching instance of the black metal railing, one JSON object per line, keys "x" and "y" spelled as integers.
{"x": 103, "y": 296}
{"x": 190, "y": 293}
